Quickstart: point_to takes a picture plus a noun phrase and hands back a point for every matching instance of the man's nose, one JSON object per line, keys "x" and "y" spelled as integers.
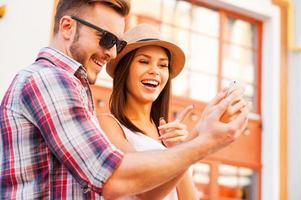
{"x": 112, "y": 52}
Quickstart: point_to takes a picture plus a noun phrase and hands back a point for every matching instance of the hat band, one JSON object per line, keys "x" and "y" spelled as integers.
{"x": 148, "y": 39}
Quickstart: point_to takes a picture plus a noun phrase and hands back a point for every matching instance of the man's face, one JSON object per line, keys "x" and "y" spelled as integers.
{"x": 85, "y": 46}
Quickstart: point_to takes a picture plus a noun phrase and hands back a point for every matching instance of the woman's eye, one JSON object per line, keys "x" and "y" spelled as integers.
{"x": 143, "y": 61}
{"x": 164, "y": 65}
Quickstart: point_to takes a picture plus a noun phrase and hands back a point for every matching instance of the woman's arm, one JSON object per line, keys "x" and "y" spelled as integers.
{"x": 186, "y": 188}
{"x": 117, "y": 137}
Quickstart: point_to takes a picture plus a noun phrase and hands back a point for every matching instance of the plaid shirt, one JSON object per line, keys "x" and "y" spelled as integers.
{"x": 51, "y": 146}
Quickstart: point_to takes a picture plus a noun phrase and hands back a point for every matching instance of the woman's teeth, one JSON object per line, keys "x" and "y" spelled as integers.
{"x": 152, "y": 83}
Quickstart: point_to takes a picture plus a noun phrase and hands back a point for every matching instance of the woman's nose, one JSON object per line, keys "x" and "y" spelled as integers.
{"x": 154, "y": 70}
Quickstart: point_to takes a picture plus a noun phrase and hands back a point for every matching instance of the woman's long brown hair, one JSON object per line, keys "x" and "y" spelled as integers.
{"x": 160, "y": 106}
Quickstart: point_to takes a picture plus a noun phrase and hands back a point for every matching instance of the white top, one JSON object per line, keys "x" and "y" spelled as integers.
{"x": 142, "y": 142}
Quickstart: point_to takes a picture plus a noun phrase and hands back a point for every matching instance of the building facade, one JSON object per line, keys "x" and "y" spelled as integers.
{"x": 223, "y": 40}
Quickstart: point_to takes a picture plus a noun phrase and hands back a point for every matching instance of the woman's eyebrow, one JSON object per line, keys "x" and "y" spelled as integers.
{"x": 148, "y": 56}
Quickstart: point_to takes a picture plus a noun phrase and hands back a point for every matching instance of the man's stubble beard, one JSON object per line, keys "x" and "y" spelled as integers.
{"x": 75, "y": 49}
{"x": 77, "y": 54}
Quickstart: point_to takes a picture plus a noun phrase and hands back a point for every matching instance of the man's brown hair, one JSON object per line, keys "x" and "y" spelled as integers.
{"x": 75, "y": 7}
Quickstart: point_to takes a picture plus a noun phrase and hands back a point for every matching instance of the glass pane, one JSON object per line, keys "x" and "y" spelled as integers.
{"x": 239, "y": 63}
{"x": 201, "y": 179}
{"x": 240, "y": 32}
{"x": 180, "y": 84}
{"x": 204, "y": 54}
{"x": 104, "y": 79}
{"x": 205, "y": 20}
{"x": 237, "y": 183}
{"x": 177, "y": 36}
{"x": 176, "y": 13}
{"x": 139, "y": 7}
{"x": 202, "y": 87}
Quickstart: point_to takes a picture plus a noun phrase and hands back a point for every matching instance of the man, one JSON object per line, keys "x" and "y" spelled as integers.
{"x": 52, "y": 146}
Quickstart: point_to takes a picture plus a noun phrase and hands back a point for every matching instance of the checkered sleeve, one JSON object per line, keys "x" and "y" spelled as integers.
{"x": 53, "y": 103}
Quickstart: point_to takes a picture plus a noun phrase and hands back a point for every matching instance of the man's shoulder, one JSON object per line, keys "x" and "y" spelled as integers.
{"x": 45, "y": 72}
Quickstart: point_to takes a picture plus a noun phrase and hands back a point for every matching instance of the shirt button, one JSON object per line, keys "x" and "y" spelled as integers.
{"x": 86, "y": 189}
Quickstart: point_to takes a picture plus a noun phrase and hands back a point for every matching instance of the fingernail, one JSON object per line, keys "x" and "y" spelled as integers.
{"x": 161, "y": 118}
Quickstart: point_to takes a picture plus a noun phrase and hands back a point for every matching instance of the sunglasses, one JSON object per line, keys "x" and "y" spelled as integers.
{"x": 108, "y": 39}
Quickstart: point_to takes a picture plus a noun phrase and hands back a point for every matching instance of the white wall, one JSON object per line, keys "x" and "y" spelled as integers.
{"x": 270, "y": 15}
{"x": 294, "y": 126}
{"x": 294, "y": 109}
{"x": 23, "y": 31}
{"x": 26, "y": 28}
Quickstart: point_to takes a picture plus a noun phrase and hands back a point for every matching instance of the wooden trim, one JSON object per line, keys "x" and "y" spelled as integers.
{"x": 214, "y": 186}
{"x": 2, "y": 10}
{"x": 284, "y": 6}
{"x": 258, "y": 82}
{"x": 290, "y": 26}
{"x": 221, "y": 50}
{"x": 55, "y": 2}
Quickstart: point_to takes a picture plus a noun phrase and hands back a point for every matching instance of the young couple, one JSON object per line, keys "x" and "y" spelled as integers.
{"x": 52, "y": 144}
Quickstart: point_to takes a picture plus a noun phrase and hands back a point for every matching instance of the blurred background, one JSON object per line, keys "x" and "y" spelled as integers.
{"x": 253, "y": 41}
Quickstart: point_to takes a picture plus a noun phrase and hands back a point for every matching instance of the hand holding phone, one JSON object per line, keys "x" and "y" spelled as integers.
{"x": 236, "y": 105}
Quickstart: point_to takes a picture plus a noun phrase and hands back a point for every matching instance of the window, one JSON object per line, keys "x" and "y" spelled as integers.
{"x": 201, "y": 179}
{"x": 219, "y": 46}
{"x": 237, "y": 183}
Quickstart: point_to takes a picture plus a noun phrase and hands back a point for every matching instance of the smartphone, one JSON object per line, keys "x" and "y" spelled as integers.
{"x": 233, "y": 85}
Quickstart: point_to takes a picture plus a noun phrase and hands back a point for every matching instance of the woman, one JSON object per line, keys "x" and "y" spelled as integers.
{"x": 142, "y": 75}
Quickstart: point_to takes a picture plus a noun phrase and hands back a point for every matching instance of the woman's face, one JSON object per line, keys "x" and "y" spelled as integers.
{"x": 148, "y": 74}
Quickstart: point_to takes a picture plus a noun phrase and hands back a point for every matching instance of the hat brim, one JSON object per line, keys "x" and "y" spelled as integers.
{"x": 177, "y": 55}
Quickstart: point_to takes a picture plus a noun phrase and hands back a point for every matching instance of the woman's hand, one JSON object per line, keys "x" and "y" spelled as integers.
{"x": 174, "y": 132}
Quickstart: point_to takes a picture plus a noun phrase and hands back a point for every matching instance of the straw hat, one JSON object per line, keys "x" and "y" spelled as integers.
{"x": 146, "y": 35}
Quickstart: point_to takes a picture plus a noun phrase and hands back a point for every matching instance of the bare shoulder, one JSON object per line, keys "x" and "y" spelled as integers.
{"x": 110, "y": 125}
{"x": 114, "y": 132}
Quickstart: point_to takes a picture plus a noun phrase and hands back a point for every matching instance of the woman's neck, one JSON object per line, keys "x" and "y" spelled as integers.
{"x": 140, "y": 115}
{"x": 136, "y": 111}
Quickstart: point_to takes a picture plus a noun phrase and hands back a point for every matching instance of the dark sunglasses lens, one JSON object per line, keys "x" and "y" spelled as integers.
{"x": 120, "y": 46}
{"x": 108, "y": 40}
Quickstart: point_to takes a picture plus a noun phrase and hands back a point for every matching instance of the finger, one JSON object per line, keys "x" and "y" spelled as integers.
{"x": 239, "y": 121}
{"x": 219, "y": 109}
{"x": 172, "y": 125}
{"x": 169, "y": 130}
{"x": 172, "y": 134}
{"x": 233, "y": 97}
{"x": 218, "y": 97}
{"x": 238, "y": 98}
{"x": 236, "y": 86}
{"x": 175, "y": 139}
{"x": 236, "y": 107}
{"x": 161, "y": 123}
{"x": 249, "y": 106}
{"x": 184, "y": 113}
{"x": 242, "y": 128}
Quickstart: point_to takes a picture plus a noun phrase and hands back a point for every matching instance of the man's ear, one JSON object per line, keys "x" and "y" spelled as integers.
{"x": 67, "y": 27}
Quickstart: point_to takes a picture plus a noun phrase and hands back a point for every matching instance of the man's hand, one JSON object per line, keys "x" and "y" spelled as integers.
{"x": 219, "y": 132}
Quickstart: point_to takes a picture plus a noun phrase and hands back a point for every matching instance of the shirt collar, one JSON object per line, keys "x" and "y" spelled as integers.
{"x": 59, "y": 59}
